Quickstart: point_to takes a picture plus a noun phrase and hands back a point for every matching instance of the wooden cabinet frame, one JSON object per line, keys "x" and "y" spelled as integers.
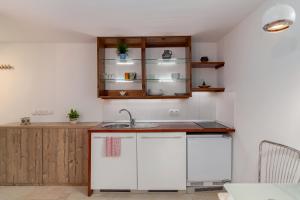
{"x": 143, "y": 43}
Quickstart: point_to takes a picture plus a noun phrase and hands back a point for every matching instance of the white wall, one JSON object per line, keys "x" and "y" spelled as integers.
{"x": 58, "y": 76}
{"x": 262, "y": 70}
{"x": 54, "y": 77}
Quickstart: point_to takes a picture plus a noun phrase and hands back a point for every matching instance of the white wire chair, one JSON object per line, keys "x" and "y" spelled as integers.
{"x": 277, "y": 164}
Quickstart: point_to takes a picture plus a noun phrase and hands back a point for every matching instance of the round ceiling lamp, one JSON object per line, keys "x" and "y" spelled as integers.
{"x": 278, "y": 18}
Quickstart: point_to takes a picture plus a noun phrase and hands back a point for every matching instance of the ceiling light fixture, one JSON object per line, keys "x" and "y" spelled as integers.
{"x": 278, "y": 18}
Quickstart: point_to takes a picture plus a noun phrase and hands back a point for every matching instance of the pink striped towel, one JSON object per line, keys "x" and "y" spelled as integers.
{"x": 112, "y": 147}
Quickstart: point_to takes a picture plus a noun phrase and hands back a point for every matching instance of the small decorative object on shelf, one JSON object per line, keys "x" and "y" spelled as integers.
{"x": 108, "y": 76}
{"x": 25, "y": 121}
{"x": 123, "y": 93}
{"x": 126, "y": 76}
{"x": 6, "y": 66}
{"x": 132, "y": 75}
{"x": 73, "y": 116}
{"x": 167, "y": 54}
{"x": 122, "y": 50}
{"x": 204, "y": 59}
{"x": 204, "y": 85}
{"x": 175, "y": 75}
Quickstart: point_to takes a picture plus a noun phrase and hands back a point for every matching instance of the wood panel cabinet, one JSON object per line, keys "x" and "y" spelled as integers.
{"x": 65, "y": 156}
{"x": 20, "y": 156}
{"x": 43, "y": 156}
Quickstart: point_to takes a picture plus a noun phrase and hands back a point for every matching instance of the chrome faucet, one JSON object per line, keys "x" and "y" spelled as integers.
{"x": 131, "y": 120}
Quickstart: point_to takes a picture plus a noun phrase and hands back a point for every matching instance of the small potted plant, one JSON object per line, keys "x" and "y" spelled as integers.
{"x": 73, "y": 116}
{"x": 122, "y": 50}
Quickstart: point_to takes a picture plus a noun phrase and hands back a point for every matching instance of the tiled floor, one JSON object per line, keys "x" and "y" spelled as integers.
{"x": 79, "y": 193}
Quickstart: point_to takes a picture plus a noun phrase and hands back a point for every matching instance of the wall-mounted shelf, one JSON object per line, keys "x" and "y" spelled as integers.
{"x": 211, "y": 89}
{"x": 199, "y": 64}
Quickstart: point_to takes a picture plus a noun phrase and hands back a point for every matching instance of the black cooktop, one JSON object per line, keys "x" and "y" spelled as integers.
{"x": 210, "y": 125}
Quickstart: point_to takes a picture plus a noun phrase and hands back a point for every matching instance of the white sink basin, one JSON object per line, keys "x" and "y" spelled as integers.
{"x": 125, "y": 125}
{"x": 116, "y": 125}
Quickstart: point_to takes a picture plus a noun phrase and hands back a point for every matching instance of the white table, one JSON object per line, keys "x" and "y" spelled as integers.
{"x": 263, "y": 191}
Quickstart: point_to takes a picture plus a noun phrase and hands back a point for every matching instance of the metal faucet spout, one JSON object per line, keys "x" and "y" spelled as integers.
{"x": 131, "y": 119}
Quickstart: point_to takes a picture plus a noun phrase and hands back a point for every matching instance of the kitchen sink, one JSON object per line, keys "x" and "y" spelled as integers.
{"x": 125, "y": 125}
{"x": 116, "y": 125}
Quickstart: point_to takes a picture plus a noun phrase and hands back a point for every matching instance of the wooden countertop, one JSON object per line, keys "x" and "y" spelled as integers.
{"x": 97, "y": 127}
{"x": 51, "y": 125}
{"x": 166, "y": 127}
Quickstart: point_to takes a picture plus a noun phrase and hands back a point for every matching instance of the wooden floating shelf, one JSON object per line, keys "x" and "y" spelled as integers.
{"x": 199, "y": 64}
{"x": 145, "y": 97}
{"x": 208, "y": 89}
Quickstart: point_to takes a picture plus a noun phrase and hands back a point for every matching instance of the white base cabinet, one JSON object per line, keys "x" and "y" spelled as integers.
{"x": 114, "y": 172}
{"x": 148, "y": 161}
{"x": 161, "y": 161}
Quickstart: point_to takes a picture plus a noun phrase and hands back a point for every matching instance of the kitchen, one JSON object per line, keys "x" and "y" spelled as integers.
{"x": 55, "y": 70}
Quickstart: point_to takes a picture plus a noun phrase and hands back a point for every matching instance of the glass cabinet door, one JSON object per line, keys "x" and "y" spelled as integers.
{"x": 125, "y": 74}
{"x": 166, "y": 75}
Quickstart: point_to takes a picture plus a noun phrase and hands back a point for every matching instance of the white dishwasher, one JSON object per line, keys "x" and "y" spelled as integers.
{"x": 209, "y": 159}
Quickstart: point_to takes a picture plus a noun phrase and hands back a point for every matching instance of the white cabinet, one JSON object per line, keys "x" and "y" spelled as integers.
{"x": 114, "y": 172}
{"x": 161, "y": 161}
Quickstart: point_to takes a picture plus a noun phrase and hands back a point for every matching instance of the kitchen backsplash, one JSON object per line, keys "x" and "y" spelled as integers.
{"x": 202, "y": 106}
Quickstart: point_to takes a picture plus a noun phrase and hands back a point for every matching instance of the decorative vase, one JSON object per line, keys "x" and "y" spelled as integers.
{"x": 74, "y": 121}
{"x": 167, "y": 54}
{"x": 123, "y": 56}
{"x": 204, "y": 59}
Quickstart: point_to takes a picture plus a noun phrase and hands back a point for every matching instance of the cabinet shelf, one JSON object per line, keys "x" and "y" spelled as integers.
{"x": 208, "y": 89}
{"x": 139, "y": 80}
{"x": 147, "y": 97}
{"x": 157, "y": 61}
{"x": 167, "y": 80}
{"x": 199, "y": 64}
{"x": 122, "y": 80}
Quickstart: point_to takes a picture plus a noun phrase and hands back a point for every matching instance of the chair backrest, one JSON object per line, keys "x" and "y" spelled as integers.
{"x": 278, "y": 163}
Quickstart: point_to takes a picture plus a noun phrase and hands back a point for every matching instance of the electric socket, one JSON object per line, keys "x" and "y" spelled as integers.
{"x": 174, "y": 111}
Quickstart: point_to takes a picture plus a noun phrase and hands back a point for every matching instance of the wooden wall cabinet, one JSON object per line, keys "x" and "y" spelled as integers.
{"x": 144, "y": 61}
{"x": 43, "y": 156}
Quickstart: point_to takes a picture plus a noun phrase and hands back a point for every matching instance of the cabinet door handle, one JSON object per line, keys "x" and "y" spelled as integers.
{"x": 163, "y": 137}
{"x": 103, "y": 137}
